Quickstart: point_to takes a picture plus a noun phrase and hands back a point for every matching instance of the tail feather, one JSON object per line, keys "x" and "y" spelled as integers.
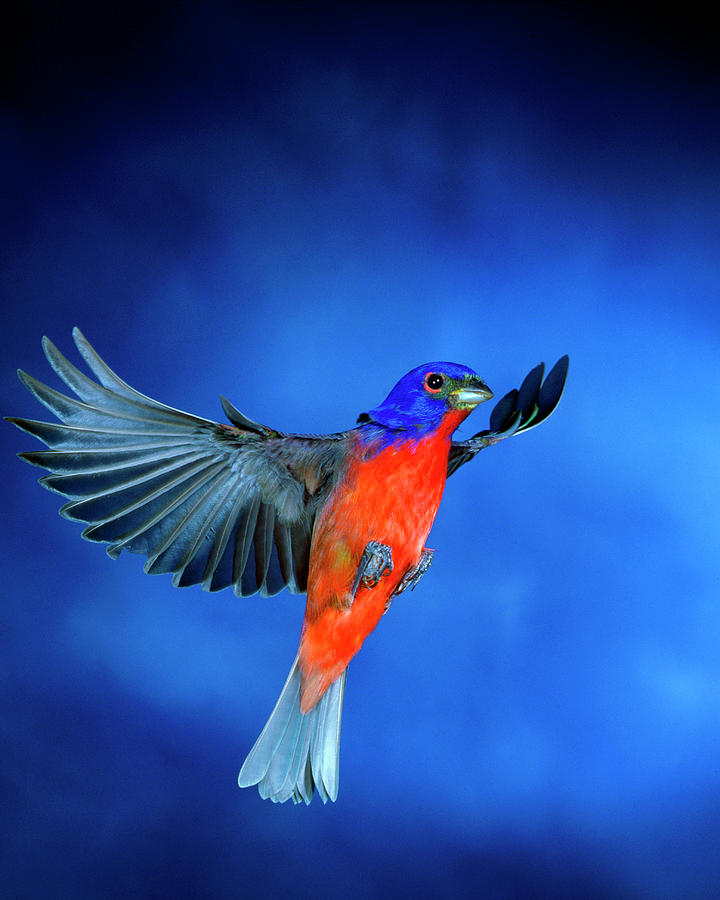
{"x": 297, "y": 754}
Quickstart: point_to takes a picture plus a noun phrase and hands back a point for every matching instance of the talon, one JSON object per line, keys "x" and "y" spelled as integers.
{"x": 375, "y": 562}
{"x": 412, "y": 576}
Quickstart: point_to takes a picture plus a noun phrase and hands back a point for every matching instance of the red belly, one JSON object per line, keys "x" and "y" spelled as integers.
{"x": 392, "y": 498}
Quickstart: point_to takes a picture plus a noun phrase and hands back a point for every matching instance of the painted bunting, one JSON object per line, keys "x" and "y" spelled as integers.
{"x": 343, "y": 517}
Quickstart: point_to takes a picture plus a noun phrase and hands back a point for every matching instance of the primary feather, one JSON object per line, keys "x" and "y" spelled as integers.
{"x": 203, "y": 501}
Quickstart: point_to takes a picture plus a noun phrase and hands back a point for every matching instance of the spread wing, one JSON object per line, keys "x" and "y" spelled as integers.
{"x": 213, "y": 504}
{"x": 517, "y": 412}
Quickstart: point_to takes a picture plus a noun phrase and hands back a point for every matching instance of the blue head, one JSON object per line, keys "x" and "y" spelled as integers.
{"x": 422, "y": 398}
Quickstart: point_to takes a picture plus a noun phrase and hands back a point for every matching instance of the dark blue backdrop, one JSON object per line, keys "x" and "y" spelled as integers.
{"x": 293, "y": 209}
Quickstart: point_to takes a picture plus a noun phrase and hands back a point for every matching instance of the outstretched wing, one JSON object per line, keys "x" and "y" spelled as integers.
{"x": 214, "y": 504}
{"x": 517, "y": 412}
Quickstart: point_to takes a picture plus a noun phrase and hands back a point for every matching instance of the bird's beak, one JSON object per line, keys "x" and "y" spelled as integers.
{"x": 468, "y": 396}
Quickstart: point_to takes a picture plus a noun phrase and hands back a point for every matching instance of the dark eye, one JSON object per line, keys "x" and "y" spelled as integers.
{"x": 433, "y": 382}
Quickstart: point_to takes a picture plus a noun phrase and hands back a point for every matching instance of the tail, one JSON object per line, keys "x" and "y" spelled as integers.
{"x": 295, "y": 753}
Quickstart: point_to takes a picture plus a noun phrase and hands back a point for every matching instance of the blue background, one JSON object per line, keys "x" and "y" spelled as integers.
{"x": 293, "y": 209}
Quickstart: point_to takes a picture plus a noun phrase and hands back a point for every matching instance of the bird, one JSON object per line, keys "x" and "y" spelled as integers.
{"x": 341, "y": 517}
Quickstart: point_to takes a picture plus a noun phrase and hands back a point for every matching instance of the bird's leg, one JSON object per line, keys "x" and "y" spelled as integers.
{"x": 375, "y": 562}
{"x": 412, "y": 576}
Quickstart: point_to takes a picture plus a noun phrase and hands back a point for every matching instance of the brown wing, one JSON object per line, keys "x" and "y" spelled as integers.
{"x": 214, "y": 504}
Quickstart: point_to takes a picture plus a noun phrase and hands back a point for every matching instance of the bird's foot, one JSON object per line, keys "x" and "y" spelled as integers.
{"x": 375, "y": 562}
{"x": 412, "y": 576}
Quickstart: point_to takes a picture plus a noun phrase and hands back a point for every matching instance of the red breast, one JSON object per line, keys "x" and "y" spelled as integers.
{"x": 392, "y": 497}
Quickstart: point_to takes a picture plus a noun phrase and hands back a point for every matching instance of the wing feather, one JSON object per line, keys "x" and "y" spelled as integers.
{"x": 300, "y": 538}
{"x": 517, "y": 412}
{"x": 247, "y": 522}
{"x": 263, "y": 542}
{"x": 283, "y": 547}
{"x": 142, "y": 526}
{"x": 212, "y": 504}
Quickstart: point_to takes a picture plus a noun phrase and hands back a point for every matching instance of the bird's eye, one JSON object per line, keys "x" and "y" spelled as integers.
{"x": 433, "y": 382}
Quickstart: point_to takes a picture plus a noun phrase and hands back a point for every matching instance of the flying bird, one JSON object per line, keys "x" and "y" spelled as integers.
{"x": 342, "y": 517}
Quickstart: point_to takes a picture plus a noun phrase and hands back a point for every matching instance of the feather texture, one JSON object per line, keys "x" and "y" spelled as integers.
{"x": 298, "y": 754}
{"x": 517, "y": 412}
{"x": 212, "y": 504}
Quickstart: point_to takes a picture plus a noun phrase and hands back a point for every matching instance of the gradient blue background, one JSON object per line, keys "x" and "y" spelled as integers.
{"x": 293, "y": 209}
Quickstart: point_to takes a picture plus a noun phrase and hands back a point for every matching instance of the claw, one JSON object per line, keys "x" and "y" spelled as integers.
{"x": 412, "y": 576}
{"x": 375, "y": 562}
